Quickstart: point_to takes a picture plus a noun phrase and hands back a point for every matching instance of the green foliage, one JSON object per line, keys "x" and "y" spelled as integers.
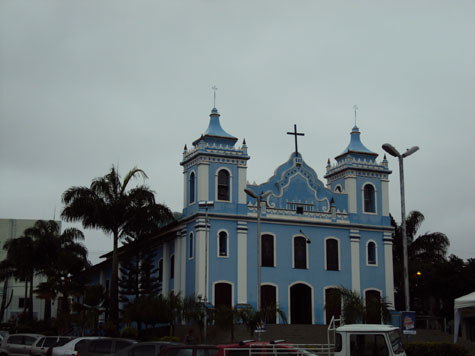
{"x": 355, "y": 310}
{"x": 129, "y": 333}
{"x": 434, "y": 348}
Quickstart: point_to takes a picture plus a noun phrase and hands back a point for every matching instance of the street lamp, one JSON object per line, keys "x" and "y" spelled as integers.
{"x": 206, "y": 205}
{"x": 260, "y": 198}
{"x": 395, "y": 153}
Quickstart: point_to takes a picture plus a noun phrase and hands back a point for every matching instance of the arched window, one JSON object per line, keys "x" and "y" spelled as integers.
{"x": 223, "y": 244}
{"x": 369, "y": 199}
{"x": 223, "y": 185}
{"x": 333, "y": 262}
{"x": 338, "y": 189}
{"x": 191, "y": 246}
{"x": 192, "y": 188}
{"x": 300, "y": 252}
{"x": 267, "y": 251}
{"x": 371, "y": 253}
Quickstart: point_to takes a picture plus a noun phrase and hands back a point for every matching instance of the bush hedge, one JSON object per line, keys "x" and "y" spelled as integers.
{"x": 435, "y": 348}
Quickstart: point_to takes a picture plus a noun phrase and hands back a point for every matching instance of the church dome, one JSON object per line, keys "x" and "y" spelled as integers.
{"x": 215, "y": 133}
{"x": 356, "y": 146}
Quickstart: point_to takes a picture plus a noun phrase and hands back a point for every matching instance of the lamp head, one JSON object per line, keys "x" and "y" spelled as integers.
{"x": 410, "y": 151}
{"x": 391, "y": 150}
{"x": 250, "y": 193}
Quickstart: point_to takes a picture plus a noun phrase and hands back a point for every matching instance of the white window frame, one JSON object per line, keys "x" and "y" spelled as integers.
{"x": 325, "y": 301}
{"x": 232, "y": 291}
{"x": 306, "y": 251}
{"x": 375, "y": 199}
{"x": 325, "y": 252}
{"x": 275, "y": 247}
{"x": 218, "y": 245}
{"x": 230, "y": 184}
{"x": 375, "y": 254}
{"x": 189, "y": 188}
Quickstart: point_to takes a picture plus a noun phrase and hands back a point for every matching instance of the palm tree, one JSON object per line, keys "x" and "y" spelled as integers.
{"x": 426, "y": 254}
{"x": 6, "y": 272}
{"x": 108, "y": 205}
{"x": 22, "y": 257}
{"x": 60, "y": 258}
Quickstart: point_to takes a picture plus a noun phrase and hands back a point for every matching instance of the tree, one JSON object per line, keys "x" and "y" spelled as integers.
{"x": 6, "y": 273}
{"x": 109, "y": 205}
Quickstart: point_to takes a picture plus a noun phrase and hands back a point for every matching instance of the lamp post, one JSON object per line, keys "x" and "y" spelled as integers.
{"x": 206, "y": 205}
{"x": 395, "y": 153}
{"x": 260, "y": 198}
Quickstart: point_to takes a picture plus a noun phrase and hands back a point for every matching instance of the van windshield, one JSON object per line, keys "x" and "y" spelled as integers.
{"x": 396, "y": 342}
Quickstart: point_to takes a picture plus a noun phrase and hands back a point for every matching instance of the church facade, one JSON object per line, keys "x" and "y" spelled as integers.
{"x": 313, "y": 236}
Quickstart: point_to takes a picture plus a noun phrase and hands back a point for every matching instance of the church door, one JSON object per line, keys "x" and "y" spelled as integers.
{"x": 269, "y": 300}
{"x": 222, "y": 295}
{"x": 373, "y": 307}
{"x": 300, "y": 304}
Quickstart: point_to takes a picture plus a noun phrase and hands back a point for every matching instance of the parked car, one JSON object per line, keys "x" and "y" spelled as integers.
{"x": 103, "y": 346}
{"x": 18, "y": 344}
{"x": 41, "y": 346}
{"x": 189, "y": 350}
{"x": 70, "y": 348}
{"x": 150, "y": 348}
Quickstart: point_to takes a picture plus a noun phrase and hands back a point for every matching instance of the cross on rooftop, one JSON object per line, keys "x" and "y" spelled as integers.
{"x": 295, "y": 134}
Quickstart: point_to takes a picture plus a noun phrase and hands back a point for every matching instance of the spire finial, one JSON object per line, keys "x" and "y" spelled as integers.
{"x": 355, "y": 108}
{"x": 214, "y": 96}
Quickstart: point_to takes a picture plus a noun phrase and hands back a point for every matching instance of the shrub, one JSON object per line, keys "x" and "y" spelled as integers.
{"x": 435, "y": 348}
{"x": 129, "y": 333}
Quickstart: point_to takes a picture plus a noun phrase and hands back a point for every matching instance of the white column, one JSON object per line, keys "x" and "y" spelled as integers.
{"x": 388, "y": 267}
{"x": 166, "y": 269}
{"x": 350, "y": 189}
{"x": 355, "y": 260}
{"x": 242, "y": 262}
{"x": 185, "y": 188}
{"x": 203, "y": 181}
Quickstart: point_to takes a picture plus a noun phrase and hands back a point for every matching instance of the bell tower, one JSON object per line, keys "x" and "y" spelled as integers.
{"x": 214, "y": 169}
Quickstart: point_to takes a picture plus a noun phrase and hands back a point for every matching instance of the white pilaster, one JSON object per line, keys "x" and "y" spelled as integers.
{"x": 350, "y": 189}
{"x": 203, "y": 181}
{"x": 183, "y": 262}
{"x": 385, "y": 197}
{"x": 355, "y": 260}
{"x": 200, "y": 259}
{"x": 177, "y": 263}
{"x": 242, "y": 262}
{"x": 242, "y": 181}
{"x": 166, "y": 269}
{"x": 185, "y": 188}
{"x": 388, "y": 267}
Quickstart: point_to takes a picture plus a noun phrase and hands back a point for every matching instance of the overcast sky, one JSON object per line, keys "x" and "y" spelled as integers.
{"x": 88, "y": 84}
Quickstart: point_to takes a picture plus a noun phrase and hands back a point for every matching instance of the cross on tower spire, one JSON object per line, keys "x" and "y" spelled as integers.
{"x": 214, "y": 89}
{"x": 355, "y": 108}
{"x": 295, "y": 134}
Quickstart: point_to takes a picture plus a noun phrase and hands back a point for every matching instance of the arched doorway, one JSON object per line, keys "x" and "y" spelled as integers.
{"x": 373, "y": 306}
{"x": 332, "y": 304}
{"x": 222, "y": 295}
{"x": 269, "y": 300}
{"x": 300, "y": 304}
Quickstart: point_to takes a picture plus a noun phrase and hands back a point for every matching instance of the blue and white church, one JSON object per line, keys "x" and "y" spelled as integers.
{"x": 314, "y": 236}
